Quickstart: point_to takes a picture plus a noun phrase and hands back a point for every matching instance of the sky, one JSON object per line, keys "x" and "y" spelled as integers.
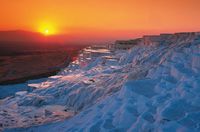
{"x": 102, "y": 18}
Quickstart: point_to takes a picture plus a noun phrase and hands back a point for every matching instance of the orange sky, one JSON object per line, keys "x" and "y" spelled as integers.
{"x": 103, "y": 17}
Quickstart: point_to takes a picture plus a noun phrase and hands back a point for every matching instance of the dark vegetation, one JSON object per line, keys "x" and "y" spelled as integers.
{"x": 22, "y": 61}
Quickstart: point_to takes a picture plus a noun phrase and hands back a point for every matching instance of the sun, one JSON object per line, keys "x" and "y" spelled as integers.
{"x": 47, "y": 29}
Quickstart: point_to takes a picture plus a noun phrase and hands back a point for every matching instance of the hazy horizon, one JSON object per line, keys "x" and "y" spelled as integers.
{"x": 75, "y": 38}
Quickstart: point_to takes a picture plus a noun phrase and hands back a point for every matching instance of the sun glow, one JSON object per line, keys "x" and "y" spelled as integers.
{"x": 47, "y": 29}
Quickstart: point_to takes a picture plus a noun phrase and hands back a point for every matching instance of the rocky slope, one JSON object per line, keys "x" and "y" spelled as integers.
{"x": 155, "y": 86}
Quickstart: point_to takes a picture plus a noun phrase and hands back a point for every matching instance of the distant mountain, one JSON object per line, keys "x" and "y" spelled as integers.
{"x": 19, "y": 41}
{"x": 72, "y": 38}
{"x": 28, "y": 36}
{"x": 21, "y": 36}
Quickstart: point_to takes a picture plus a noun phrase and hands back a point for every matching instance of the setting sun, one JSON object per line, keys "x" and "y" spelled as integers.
{"x": 46, "y": 31}
{"x": 47, "y": 28}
